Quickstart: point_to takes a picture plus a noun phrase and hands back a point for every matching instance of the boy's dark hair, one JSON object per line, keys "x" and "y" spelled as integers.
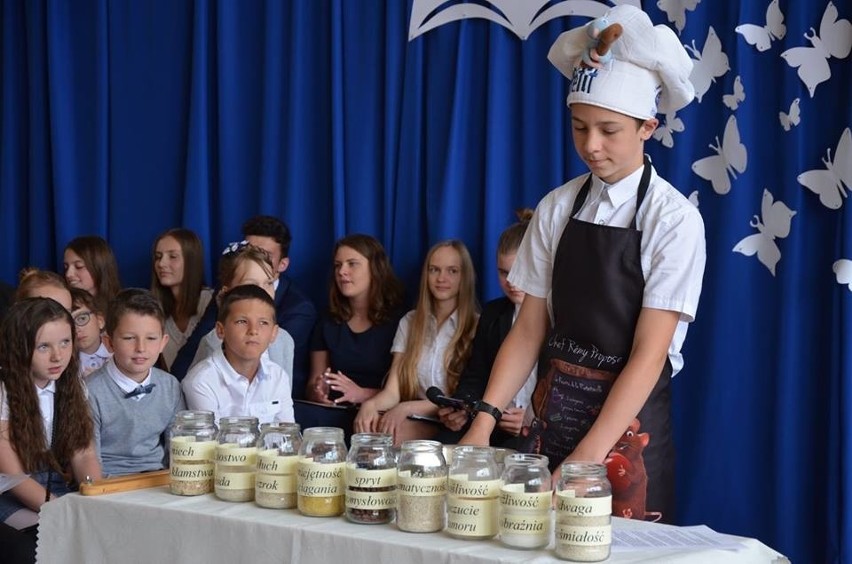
{"x": 240, "y": 293}
{"x": 269, "y": 226}
{"x": 81, "y": 298}
{"x": 133, "y": 300}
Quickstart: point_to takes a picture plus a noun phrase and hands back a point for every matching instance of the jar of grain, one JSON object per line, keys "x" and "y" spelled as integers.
{"x": 321, "y": 472}
{"x": 583, "y": 513}
{"x": 277, "y": 457}
{"x": 192, "y": 449}
{"x": 473, "y": 493}
{"x": 421, "y": 487}
{"x": 371, "y": 479}
{"x": 236, "y": 458}
{"x": 525, "y": 501}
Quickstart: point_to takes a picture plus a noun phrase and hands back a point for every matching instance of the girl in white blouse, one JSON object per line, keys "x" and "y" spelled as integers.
{"x": 431, "y": 347}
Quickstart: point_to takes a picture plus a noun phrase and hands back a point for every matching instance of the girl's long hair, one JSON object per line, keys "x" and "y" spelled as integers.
{"x": 31, "y": 279}
{"x": 100, "y": 260}
{"x": 386, "y": 290}
{"x": 186, "y": 304}
{"x": 459, "y": 349}
{"x": 72, "y": 427}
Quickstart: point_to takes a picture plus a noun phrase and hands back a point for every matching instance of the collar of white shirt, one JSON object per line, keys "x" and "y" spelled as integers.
{"x": 618, "y": 193}
{"x": 453, "y": 320}
{"x": 232, "y": 376}
{"x": 123, "y": 382}
{"x": 49, "y": 389}
{"x": 102, "y": 352}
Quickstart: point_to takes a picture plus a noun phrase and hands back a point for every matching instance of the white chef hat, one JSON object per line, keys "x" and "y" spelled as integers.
{"x": 648, "y": 71}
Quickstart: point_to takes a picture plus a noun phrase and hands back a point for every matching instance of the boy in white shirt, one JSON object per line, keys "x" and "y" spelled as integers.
{"x": 237, "y": 380}
{"x": 89, "y": 323}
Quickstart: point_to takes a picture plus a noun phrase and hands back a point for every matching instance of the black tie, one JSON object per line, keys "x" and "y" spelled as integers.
{"x": 140, "y": 391}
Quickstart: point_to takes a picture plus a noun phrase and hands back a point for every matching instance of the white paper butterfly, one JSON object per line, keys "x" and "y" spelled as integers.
{"x": 708, "y": 64}
{"x": 834, "y": 40}
{"x": 731, "y": 156}
{"x": 829, "y": 183}
{"x": 792, "y": 118}
{"x": 733, "y": 100}
{"x": 693, "y": 198}
{"x": 843, "y": 272}
{"x": 761, "y": 37}
{"x": 777, "y": 218}
{"x": 676, "y": 10}
{"x": 665, "y": 132}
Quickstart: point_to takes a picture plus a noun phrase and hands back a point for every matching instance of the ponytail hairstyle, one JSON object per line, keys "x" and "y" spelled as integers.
{"x": 460, "y": 345}
{"x": 512, "y": 236}
{"x": 72, "y": 423}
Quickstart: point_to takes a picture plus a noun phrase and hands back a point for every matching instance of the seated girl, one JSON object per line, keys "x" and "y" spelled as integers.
{"x": 431, "y": 347}
{"x": 241, "y": 264}
{"x": 177, "y": 280}
{"x": 35, "y": 283}
{"x": 45, "y": 427}
{"x": 90, "y": 265}
{"x": 351, "y": 344}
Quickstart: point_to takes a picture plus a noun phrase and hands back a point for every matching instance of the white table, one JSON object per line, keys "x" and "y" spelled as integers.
{"x": 154, "y": 526}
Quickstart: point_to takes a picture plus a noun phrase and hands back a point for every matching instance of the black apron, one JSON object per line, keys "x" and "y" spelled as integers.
{"x": 597, "y": 296}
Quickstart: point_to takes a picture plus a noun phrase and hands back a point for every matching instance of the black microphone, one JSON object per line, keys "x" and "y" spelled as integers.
{"x": 436, "y": 396}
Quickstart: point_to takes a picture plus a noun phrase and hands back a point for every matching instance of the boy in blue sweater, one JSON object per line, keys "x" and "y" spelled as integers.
{"x": 133, "y": 404}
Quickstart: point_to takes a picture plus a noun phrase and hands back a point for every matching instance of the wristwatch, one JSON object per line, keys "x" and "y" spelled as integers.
{"x": 489, "y": 409}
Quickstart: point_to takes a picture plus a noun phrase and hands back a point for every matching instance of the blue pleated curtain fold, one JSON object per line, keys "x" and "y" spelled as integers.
{"x": 124, "y": 119}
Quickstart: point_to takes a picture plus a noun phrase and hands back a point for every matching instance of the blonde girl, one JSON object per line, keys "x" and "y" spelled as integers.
{"x": 35, "y": 283}
{"x": 431, "y": 347}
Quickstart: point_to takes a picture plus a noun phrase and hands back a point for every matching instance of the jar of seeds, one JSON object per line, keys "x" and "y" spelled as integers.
{"x": 583, "y": 513}
{"x": 236, "y": 458}
{"x": 277, "y": 457}
{"x": 473, "y": 493}
{"x": 525, "y": 501}
{"x": 321, "y": 472}
{"x": 192, "y": 449}
{"x": 371, "y": 479}
{"x": 421, "y": 487}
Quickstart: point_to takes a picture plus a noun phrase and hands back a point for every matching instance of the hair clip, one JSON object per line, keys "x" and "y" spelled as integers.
{"x": 235, "y": 247}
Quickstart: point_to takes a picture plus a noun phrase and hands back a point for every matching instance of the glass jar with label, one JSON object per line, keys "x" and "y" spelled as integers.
{"x": 192, "y": 450}
{"x": 473, "y": 493}
{"x": 321, "y": 472}
{"x": 277, "y": 458}
{"x": 236, "y": 458}
{"x": 421, "y": 487}
{"x": 583, "y": 513}
{"x": 525, "y": 501}
{"x": 371, "y": 479}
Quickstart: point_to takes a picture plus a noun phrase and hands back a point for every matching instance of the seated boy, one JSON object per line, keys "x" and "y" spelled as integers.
{"x": 238, "y": 379}
{"x": 89, "y": 323}
{"x": 133, "y": 404}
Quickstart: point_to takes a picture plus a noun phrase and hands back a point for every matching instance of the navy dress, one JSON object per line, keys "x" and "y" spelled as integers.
{"x": 364, "y": 357}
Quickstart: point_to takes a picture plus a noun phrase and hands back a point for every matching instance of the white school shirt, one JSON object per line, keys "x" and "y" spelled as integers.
{"x": 91, "y": 362}
{"x": 214, "y": 385}
{"x": 126, "y": 384}
{"x": 45, "y": 405}
{"x": 672, "y": 251}
{"x": 178, "y": 338}
{"x": 430, "y": 365}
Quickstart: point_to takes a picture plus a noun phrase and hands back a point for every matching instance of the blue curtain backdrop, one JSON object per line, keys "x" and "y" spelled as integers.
{"x": 126, "y": 118}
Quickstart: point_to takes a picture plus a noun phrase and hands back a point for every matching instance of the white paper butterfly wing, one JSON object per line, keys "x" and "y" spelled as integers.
{"x": 843, "y": 272}
{"x": 809, "y": 63}
{"x": 713, "y": 169}
{"x": 755, "y": 35}
{"x": 762, "y": 244}
{"x": 735, "y": 152}
{"x": 835, "y": 35}
{"x": 785, "y": 120}
{"x": 775, "y": 20}
{"x": 693, "y": 198}
{"x": 777, "y": 217}
{"x": 825, "y": 185}
{"x": 664, "y": 135}
{"x": 843, "y": 158}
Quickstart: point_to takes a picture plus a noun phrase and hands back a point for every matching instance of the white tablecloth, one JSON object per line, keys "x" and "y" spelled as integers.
{"x": 154, "y": 526}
